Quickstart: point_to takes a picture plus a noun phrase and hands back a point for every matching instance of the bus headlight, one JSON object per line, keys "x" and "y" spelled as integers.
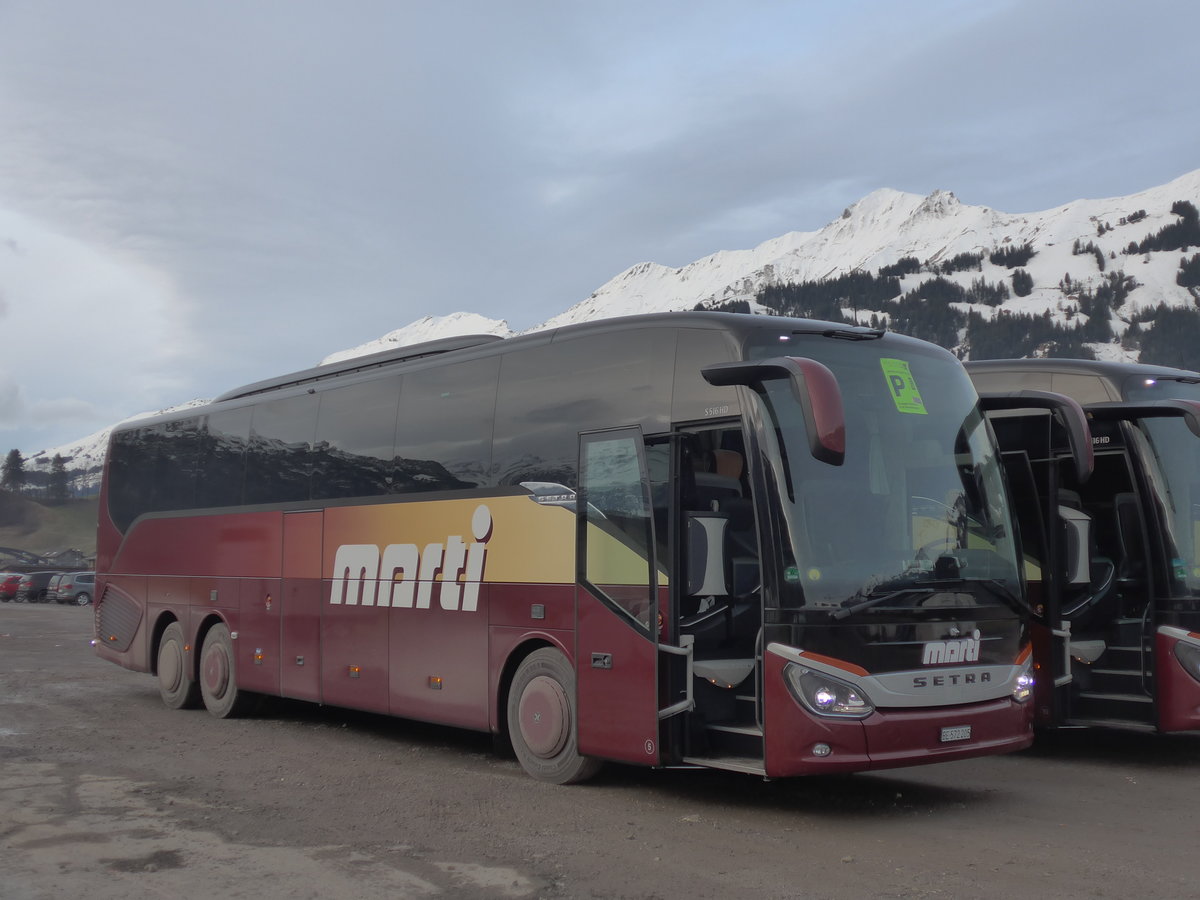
{"x": 1023, "y": 686}
{"x": 825, "y": 695}
{"x": 1189, "y": 657}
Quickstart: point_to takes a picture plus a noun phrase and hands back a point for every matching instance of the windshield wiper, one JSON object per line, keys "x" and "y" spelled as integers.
{"x": 848, "y": 333}
{"x": 933, "y": 586}
{"x": 874, "y": 598}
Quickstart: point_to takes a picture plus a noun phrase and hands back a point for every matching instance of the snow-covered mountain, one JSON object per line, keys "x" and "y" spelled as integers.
{"x": 881, "y": 229}
{"x": 430, "y": 328}
{"x": 887, "y": 226}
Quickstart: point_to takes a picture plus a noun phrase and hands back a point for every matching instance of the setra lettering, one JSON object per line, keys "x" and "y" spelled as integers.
{"x": 952, "y": 680}
{"x": 402, "y": 576}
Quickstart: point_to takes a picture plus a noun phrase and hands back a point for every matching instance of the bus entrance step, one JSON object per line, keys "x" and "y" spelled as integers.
{"x": 1127, "y": 631}
{"x": 1121, "y": 724}
{"x": 1123, "y": 698}
{"x": 1120, "y": 707}
{"x": 1106, "y": 681}
{"x": 746, "y": 764}
{"x": 734, "y": 740}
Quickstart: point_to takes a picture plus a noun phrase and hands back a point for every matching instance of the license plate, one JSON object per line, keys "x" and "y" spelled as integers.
{"x": 956, "y": 733}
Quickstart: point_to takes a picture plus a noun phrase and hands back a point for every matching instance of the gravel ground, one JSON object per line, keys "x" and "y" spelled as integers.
{"x": 104, "y": 793}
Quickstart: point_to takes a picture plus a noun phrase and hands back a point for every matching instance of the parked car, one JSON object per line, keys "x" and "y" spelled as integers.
{"x": 51, "y": 589}
{"x": 32, "y": 588}
{"x": 76, "y": 588}
{"x": 8, "y": 585}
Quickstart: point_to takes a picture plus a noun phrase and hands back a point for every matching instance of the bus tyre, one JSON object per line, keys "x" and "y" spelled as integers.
{"x": 218, "y": 675}
{"x": 175, "y": 685}
{"x": 541, "y": 719}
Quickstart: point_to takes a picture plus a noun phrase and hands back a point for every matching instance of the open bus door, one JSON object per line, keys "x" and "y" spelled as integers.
{"x": 1034, "y": 430}
{"x": 617, "y": 608}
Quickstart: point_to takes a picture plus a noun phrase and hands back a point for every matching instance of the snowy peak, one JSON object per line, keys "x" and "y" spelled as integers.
{"x": 1076, "y": 247}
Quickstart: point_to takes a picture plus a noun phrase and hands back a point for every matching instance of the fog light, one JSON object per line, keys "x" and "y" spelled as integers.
{"x": 821, "y": 750}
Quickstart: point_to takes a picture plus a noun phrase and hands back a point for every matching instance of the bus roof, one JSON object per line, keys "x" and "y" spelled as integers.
{"x": 740, "y": 326}
{"x": 739, "y": 323}
{"x": 1116, "y": 372}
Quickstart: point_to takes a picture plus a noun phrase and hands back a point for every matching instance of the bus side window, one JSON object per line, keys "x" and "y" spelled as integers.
{"x": 223, "y": 458}
{"x": 444, "y": 427}
{"x": 356, "y": 428}
{"x": 278, "y": 455}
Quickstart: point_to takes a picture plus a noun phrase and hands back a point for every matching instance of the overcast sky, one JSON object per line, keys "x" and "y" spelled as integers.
{"x": 195, "y": 195}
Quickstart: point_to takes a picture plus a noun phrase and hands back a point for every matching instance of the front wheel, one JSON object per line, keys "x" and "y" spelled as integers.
{"x": 175, "y": 684}
{"x": 218, "y": 675}
{"x": 541, "y": 719}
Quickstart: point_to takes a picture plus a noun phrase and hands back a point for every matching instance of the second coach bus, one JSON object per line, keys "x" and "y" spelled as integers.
{"x": 1117, "y": 635}
{"x": 761, "y": 544}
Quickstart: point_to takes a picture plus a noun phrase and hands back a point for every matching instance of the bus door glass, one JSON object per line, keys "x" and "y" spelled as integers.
{"x": 617, "y": 608}
{"x": 1172, "y": 455}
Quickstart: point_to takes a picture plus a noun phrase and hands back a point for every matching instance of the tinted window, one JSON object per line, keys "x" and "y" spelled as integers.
{"x": 129, "y": 492}
{"x": 444, "y": 428}
{"x": 177, "y": 461}
{"x": 277, "y": 464}
{"x": 987, "y": 380}
{"x": 356, "y": 428}
{"x": 1084, "y": 388}
{"x": 153, "y": 469}
{"x": 549, "y": 394}
{"x": 222, "y": 458}
{"x": 695, "y": 398}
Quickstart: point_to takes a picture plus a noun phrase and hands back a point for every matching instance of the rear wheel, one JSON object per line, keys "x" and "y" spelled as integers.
{"x": 175, "y": 685}
{"x": 541, "y": 719}
{"x": 218, "y": 675}
{"x": 83, "y": 598}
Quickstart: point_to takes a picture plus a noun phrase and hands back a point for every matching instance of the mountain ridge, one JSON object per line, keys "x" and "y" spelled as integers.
{"x": 884, "y": 228}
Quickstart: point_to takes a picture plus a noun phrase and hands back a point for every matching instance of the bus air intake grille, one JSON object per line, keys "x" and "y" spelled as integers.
{"x": 117, "y": 619}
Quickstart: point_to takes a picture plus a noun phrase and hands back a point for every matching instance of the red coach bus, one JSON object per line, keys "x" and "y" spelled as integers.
{"x": 760, "y": 544}
{"x": 1114, "y": 561}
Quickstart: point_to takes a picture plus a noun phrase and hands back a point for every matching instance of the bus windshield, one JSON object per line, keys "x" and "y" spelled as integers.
{"x": 917, "y": 516}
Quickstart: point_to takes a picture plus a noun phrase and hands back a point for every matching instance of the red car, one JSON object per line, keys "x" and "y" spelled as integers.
{"x": 8, "y": 585}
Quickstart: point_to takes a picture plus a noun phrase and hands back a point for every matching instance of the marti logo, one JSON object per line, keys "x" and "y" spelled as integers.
{"x": 403, "y": 576}
{"x": 938, "y": 652}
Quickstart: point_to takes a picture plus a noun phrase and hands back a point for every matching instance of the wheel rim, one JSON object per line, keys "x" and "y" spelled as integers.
{"x": 170, "y": 666}
{"x": 216, "y": 672}
{"x": 545, "y": 717}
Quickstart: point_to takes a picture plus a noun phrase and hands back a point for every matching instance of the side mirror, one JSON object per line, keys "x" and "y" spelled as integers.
{"x": 814, "y": 387}
{"x": 1070, "y": 413}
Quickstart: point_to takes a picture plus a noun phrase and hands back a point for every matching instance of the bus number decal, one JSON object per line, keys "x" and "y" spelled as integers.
{"x": 402, "y": 575}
